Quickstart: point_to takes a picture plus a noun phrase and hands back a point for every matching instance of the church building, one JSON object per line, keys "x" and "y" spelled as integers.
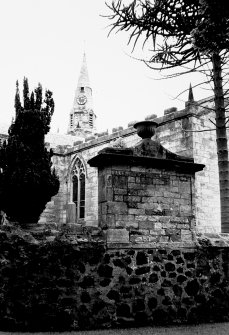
{"x": 187, "y": 132}
{"x": 180, "y": 131}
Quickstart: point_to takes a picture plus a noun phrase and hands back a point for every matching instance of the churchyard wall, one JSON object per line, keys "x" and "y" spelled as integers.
{"x": 64, "y": 285}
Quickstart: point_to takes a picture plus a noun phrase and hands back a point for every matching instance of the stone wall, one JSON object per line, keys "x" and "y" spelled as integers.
{"x": 145, "y": 204}
{"x": 66, "y": 286}
{"x": 207, "y": 181}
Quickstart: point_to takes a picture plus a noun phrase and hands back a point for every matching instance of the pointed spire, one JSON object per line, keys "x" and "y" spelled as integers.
{"x": 83, "y": 77}
{"x": 190, "y": 94}
{"x": 191, "y": 100}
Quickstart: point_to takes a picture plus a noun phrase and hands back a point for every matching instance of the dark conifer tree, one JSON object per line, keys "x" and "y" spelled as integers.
{"x": 27, "y": 180}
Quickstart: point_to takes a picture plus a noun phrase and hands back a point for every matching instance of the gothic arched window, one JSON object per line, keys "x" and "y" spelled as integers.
{"x": 71, "y": 120}
{"x": 91, "y": 120}
{"x": 78, "y": 188}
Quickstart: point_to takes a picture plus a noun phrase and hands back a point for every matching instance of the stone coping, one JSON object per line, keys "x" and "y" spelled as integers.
{"x": 207, "y": 240}
{"x": 88, "y": 238}
{"x": 107, "y": 159}
{"x": 159, "y": 245}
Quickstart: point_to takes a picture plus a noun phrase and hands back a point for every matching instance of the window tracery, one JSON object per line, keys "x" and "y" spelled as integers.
{"x": 78, "y": 188}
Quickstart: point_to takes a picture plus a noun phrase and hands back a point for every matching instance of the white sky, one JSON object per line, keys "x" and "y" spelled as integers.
{"x": 44, "y": 40}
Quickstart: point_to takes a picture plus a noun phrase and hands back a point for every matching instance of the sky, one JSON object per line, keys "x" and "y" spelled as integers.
{"x": 44, "y": 40}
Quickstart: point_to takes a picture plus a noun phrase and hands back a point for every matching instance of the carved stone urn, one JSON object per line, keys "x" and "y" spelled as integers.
{"x": 146, "y": 129}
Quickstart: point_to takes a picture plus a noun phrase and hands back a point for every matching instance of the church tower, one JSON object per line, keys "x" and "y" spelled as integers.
{"x": 82, "y": 117}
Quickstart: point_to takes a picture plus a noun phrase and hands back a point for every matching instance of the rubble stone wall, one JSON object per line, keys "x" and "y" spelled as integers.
{"x": 64, "y": 286}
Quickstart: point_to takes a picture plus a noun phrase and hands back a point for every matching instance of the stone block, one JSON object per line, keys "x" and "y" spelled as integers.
{"x": 172, "y": 231}
{"x": 118, "y": 198}
{"x": 92, "y": 223}
{"x": 132, "y": 198}
{"x": 133, "y": 192}
{"x": 119, "y": 181}
{"x": 185, "y": 209}
{"x": 136, "y": 211}
{"x": 120, "y": 224}
{"x": 168, "y": 194}
{"x": 142, "y": 239}
{"x": 146, "y": 192}
{"x": 124, "y": 217}
{"x": 71, "y": 212}
{"x": 138, "y": 169}
{"x": 154, "y": 238}
{"x": 157, "y": 225}
{"x": 109, "y": 194}
{"x": 131, "y": 179}
{"x": 157, "y": 232}
{"x": 119, "y": 191}
{"x": 117, "y": 208}
{"x": 164, "y": 238}
{"x": 141, "y": 218}
{"x": 103, "y": 208}
{"x": 186, "y": 235}
{"x": 118, "y": 236}
{"x": 132, "y": 224}
{"x": 184, "y": 226}
{"x": 134, "y": 186}
{"x": 149, "y": 199}
{"x": 110, "y": 220}
{"x": 146, "y": 225}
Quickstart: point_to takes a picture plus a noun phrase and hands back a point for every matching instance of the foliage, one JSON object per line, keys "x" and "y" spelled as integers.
{"x": 187, "y": 30}
{"x": 27, "y": 180}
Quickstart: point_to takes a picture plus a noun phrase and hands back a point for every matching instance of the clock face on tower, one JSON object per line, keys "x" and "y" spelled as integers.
{"x": 82, "y": 99}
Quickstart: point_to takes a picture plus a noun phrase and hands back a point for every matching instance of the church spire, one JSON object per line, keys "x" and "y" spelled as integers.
{"x": 83, "y": 80}
{"x": 82, "y": 116}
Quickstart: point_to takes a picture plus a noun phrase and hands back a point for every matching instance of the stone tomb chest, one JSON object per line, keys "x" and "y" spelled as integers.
{"x": 146, "y": 193}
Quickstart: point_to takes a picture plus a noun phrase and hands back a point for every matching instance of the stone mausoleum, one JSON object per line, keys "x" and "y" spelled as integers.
{"x": 188, "y": 132}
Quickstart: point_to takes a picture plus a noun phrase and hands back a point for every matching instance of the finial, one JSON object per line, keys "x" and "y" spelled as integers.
{"x": 190, "y": 94}
{"x": 190, "y": 97}
{"x": 83, "y": 80}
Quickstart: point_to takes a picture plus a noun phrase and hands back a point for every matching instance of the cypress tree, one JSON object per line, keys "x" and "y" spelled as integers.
{"x": 27, "y": 180}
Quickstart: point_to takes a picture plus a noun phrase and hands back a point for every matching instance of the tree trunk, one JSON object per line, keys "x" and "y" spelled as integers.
{"x": 221, "y": 140}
